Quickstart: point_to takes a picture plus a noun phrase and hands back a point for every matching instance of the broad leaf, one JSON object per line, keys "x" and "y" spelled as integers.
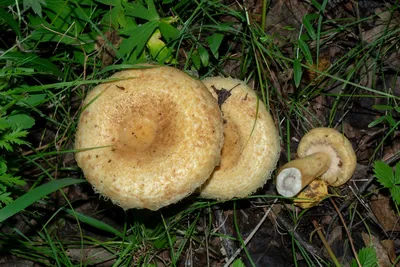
{"x": 169, "y": 32}
{"x": 36, "y": 6}
{"x": 215, "y": 41}
{"x": 21, "y": 121}
{"x": 139, "y": 37}
{"x": 137, "y": 10}
{"x": 384, "y": 174}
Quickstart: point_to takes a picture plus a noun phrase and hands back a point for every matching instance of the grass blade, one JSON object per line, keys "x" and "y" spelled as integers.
{"x": 34, "y": 195}
{"x": 94, "y": 222}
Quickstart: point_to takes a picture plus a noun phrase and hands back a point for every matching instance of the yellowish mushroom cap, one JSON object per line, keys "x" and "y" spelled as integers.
{"x": 337, "y": 146}
{"x": 251, "y": 148}
{"x": 152, "y": 138}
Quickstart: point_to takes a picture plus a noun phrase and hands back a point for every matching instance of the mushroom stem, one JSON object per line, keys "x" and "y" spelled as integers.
{"x": 298, "y": 173}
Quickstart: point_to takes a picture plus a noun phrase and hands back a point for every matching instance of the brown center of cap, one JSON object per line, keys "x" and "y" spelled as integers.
{"x": 137, "y": 134}
{"x": 147, "y": 130}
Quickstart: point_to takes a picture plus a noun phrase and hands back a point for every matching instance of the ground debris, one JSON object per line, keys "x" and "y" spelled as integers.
{"x": 381, "y": 206}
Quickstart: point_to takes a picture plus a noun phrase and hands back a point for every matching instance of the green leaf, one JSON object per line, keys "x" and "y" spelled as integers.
{"x": 195, "y": 57}
{"x": 395, "y": 192}
{"x": 32, "y": 60}
{"x": 204, "y": 56}
{"x": 14, "y": 137}
{"x": 384, "y": 174}
{"x": 238, "y": 263}
{"x": 377, "y": 121}
{"x": 34, "y": 195}
{"x": 3, "y": 166}
{"x": 4, "y": 124}
{"x": 297, "y": 72}
{"x": 110, "y": 2}
{"x": 33, "y": 100}
{"x": 21, "y": 121}
{"x": 157, "y": 47}
{"x": 308, "y": 24}
{"x": 169, "y": 32}
{"x": 397, "y": 174}
{"x": 214, "y": 42}
{"x": 9, "y": 180}
{"x": 5, "y": 3}
{"x": 139, "y": 37}
{"x": 137, "y": 10}
{"x": 8, "y": 18}
{"x": 367, "y": 258}
{"x": 36, "y": 6}
{"x": 390, "y": 120}
{"x": 316, "y": 4}
{"x": 306, "y": 51}
{"x": 382, "y": 107}
{"x": 5, "y": 198}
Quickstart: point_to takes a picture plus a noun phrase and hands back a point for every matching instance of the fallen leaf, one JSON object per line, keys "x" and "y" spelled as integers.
{"x": 390, "y": 250}
{"x": 381, "y": 207}
{"x": 106, "y": 52}
{"x": 381, "y": 253}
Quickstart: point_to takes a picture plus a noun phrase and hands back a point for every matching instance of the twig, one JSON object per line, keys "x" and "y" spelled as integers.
{"x": 326, "y": 244}
{"x": 26, "y": 153}
{"x": 227, "y": 264}
{"x": 288, "y": 225}
{"x": 347, "y": 232}
{"x": 369, "y": 181}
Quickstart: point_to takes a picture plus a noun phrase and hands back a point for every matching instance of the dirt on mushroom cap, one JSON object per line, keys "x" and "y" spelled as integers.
{"x": 334, "y": 143}
{"x": 252, "y": 146}
{"x": 157, "y": 136}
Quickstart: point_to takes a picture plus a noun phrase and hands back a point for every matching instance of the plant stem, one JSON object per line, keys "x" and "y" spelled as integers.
{"x": 347, "y": 232}
{"x": 326, "y": 244}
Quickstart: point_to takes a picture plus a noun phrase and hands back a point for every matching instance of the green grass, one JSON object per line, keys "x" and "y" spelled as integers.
{"x": 49, "y": 61}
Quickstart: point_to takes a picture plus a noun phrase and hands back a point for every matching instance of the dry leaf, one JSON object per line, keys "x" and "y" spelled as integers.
{"x": 381, "y": 253}
{"x": 390, "y": 250}
{"x": 381, "y": 207}
{"x": 106, "y": 52}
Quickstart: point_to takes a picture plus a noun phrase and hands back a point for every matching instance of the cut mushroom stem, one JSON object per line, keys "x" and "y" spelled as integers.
{"x": 297, "y": 174}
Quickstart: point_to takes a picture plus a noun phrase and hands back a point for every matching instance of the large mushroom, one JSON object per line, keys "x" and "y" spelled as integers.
{"x": 324, "y": 153}
{"x": 251, "y": 147}
{"x": 150, "y": 138}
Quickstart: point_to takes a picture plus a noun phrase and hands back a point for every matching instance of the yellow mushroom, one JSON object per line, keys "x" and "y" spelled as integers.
{"x": 323, "y": 153}
{"x": 251, "y": 147}
{"x": 153, "y": 137}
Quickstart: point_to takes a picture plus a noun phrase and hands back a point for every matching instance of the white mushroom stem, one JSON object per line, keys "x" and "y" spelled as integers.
{"x": 297, "y": 174}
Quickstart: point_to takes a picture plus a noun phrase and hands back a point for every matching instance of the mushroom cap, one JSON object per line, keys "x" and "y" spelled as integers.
{"x": 251, "y": 147}
{"x": 337, "y": 146}
{"x": 312, "y": 194}
{"x": 157, "y": 135}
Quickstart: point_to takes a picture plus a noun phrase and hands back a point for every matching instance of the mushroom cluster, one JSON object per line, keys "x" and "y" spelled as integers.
{"x": 155, "y": 135}
{"x": 326, "y": 157}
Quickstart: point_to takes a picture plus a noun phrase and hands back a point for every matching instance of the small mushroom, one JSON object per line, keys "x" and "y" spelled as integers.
{"x": 323, "y": 153}
{"x": 150, "y": 138}
{"x": 251, "y": 147}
